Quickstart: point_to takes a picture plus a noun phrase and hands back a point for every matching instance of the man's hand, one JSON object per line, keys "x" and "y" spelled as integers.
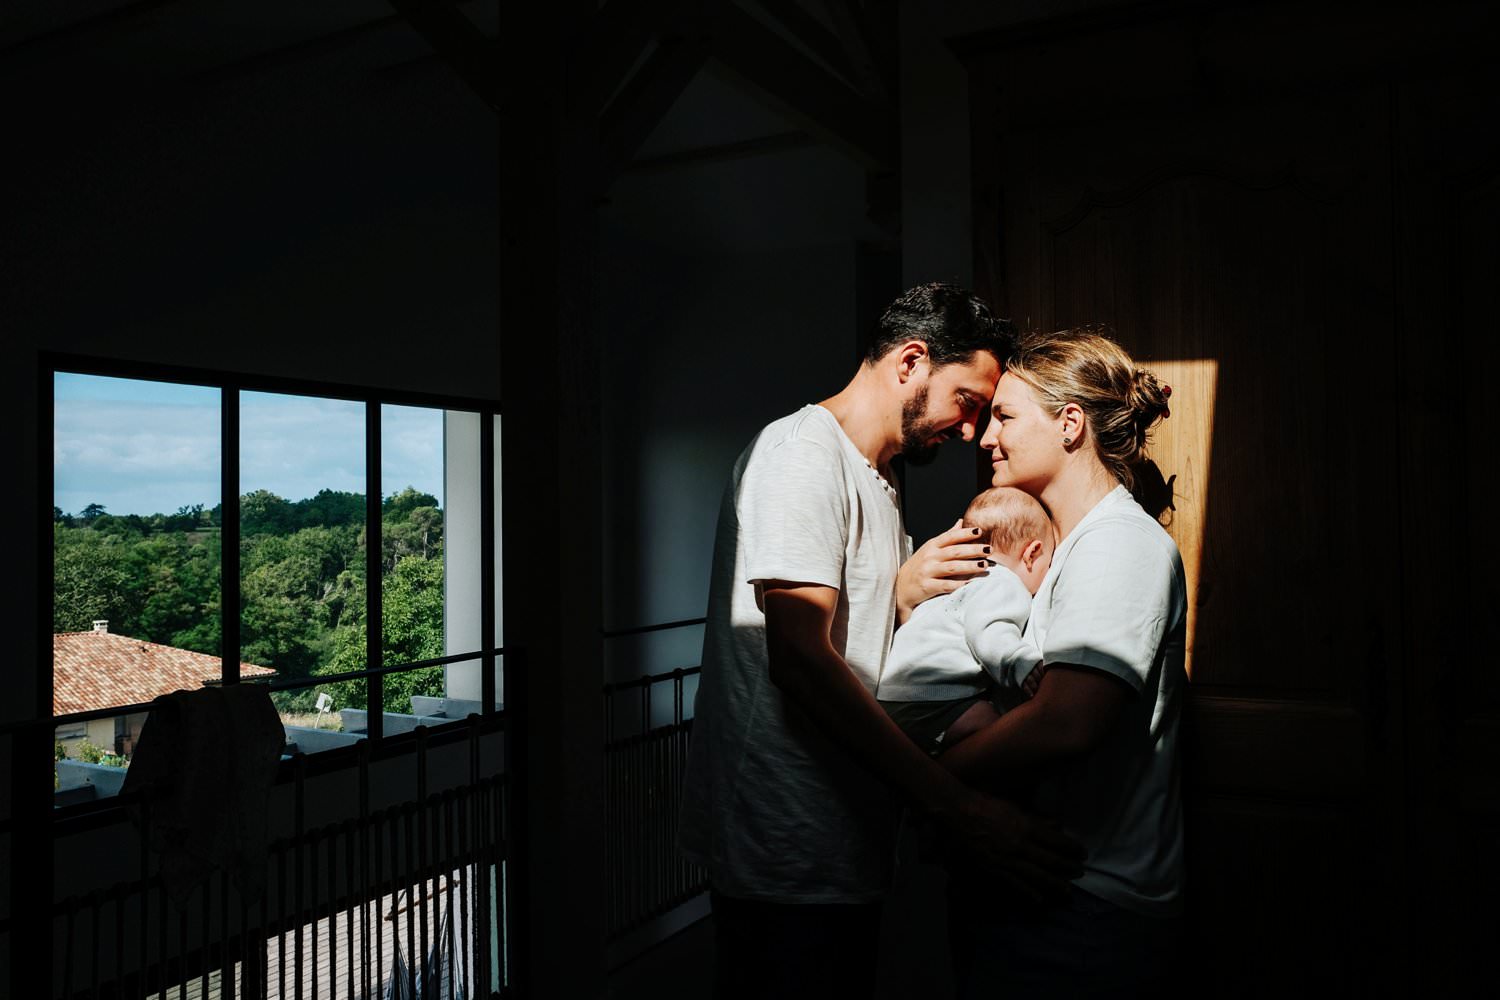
{"x": 1031, "y": 855}
{"x": 941, "y": 566}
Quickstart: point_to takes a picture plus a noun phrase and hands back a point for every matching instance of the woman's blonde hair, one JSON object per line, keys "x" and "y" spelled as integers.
{"x": 1084, "y": 366}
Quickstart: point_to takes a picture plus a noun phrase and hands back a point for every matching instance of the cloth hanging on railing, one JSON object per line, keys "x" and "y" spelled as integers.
{"x": 442, "y": 975}
{"x": 204, "y": 764}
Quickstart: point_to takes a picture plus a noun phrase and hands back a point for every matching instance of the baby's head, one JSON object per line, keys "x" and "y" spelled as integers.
{"x": 1019, "y": 530}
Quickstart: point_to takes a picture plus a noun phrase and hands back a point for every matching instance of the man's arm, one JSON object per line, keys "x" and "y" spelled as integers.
{"x": 809, "y": 672}
{"x": 1071, "y": 712}
{"x": 943, "y": 564}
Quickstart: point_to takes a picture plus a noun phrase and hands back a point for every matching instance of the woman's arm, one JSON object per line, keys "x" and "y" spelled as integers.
{"x": 1073, "y": 709}
{"x": 811, "y": 675}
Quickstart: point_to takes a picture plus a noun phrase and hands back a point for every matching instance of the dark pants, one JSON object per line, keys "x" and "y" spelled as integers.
{"x": 781, "y": 951}
{"x": 1082, "y": 947}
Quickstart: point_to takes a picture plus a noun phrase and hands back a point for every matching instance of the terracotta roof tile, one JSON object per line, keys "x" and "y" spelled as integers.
{"x": 93, "y": 670}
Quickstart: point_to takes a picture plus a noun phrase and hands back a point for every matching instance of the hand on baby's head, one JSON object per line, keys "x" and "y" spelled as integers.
{"x": 1020, "y": 532}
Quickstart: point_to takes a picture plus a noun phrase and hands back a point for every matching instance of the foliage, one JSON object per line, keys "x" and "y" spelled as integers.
{"x": 88, "y": 751}
{"x": 302, "y": 583}
{"x": 411, "y": 630}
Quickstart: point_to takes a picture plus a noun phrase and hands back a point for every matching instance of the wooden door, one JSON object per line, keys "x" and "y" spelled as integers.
{"x": 1448, "y": 224}
{"x": 1226, "y": 191}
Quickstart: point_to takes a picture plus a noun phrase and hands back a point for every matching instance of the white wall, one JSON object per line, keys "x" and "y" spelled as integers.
{"x": 271, "y": 224}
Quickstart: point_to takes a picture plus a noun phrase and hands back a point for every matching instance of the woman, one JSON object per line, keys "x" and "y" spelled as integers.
{"x": 1099, "y": 737}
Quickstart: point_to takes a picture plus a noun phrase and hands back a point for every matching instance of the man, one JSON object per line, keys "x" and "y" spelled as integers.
{"x": 788, "y": 799}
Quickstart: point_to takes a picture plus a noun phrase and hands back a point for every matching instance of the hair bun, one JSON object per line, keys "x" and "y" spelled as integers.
{"x": 1148, "y": 399}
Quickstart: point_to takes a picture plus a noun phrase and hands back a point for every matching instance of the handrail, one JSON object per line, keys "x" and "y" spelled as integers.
{"x": 647, "y": 680}
{"x": 52, "y": 721}
{"x": 643, "y": 629}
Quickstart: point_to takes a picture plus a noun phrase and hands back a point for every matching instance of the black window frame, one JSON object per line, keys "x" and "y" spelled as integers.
{"x": 230, "y": 386}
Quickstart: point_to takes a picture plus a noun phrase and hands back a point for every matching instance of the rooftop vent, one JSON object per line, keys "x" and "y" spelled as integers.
{"x": 101, "y": 625}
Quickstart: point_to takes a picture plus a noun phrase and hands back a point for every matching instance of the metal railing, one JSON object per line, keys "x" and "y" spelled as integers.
{"x": 404, "y": 901}
{"x": 645, "y": 752}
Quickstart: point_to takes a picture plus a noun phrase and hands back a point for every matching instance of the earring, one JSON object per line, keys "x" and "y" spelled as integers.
{"x": 1067, "y": 441}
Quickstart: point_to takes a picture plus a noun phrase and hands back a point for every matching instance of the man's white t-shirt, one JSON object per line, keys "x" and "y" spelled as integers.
{"x": 771, "y": 808}
{"x": 1115, "y": 600}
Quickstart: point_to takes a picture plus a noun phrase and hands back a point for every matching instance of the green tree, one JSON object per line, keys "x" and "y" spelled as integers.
{"x": 263, "y": 512}
{"x": 411, "y": 629}
{"x": 91, "y": 579}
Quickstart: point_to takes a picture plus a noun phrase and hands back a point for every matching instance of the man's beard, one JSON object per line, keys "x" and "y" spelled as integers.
{"x": 918, "y": 446}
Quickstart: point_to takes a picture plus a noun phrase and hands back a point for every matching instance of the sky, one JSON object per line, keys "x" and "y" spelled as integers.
{"x": 141, "y": 447}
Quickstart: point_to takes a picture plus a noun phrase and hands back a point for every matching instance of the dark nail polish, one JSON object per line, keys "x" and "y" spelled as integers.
{"x": 986, "y": 550}
{"x": 976, "y": 531}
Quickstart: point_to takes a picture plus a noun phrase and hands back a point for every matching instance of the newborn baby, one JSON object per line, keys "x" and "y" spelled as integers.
{"x": 958, "y": 650}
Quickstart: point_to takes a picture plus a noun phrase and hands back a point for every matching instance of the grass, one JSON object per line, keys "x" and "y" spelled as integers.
{"x": 331, "y": 722}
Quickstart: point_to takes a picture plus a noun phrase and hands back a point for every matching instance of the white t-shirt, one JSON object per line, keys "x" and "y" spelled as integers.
{"x": 1115, "y": 600}
{"x": 771, "y": 807}
{"x": 954, "y": 645}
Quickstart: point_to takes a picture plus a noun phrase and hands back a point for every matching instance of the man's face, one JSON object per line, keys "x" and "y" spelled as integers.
{"x": 946, "y": 404}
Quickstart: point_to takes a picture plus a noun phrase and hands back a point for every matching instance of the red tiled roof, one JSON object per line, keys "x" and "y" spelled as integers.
{"x": 93, "y": 670}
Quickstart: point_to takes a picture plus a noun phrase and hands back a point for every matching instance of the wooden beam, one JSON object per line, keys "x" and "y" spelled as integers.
{"x": 813, "y": 35}
{"x": 763, "y": 63}
{"x": 646, "y": 99}
{"x": 722, "y": 152}
{"x": 611, "y": 46}
{"x": 853, "y": 30}
{"x": 459, "y": 42}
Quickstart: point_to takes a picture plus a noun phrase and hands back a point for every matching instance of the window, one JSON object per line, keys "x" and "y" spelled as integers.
{"x": 355, "y": 643}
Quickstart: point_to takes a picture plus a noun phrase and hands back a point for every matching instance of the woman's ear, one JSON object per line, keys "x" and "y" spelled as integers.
{"x": 1031, "y": 553}
{"x": 1071, "y": 424}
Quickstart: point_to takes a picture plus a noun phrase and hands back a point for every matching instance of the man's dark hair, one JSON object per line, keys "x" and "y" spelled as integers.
{"x": 950, "y": 320}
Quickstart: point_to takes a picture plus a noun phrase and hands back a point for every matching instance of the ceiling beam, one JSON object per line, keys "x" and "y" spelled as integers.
{"x": 647, "y": 97}
{"x": 813, "y": 35}
{"x": 460, "y": 43}
{"x": 612, "y": 45}
{"x": 777, "y": 73}
{"x": 853, "y": 28}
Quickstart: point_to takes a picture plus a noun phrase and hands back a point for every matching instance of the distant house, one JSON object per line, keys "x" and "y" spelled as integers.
{"x": 100, "y": 669}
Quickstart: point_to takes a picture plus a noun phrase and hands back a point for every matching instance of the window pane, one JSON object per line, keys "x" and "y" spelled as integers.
{"x": 302, "y": 556}
{"x": 334, "y": 716}
{"x": 91, "y": 757}
{"x": 463, "y": 623}
{"x": 136, "y": 554}
{"x": 413, "y": 535}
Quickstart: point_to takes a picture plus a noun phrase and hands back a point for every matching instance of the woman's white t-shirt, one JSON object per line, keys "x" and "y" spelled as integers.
{"x": 1115, "y": 600}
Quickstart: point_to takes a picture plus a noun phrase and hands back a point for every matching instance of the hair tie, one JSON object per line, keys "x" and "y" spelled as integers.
{"x": 1166, "y": 390}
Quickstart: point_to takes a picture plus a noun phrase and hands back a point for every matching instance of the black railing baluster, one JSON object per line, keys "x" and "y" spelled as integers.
{"x": 420, "y": 907}
{"x": 182, "y": 953}
{"x": 645, "y": 765}
{"x": 333, "y": 916}
{"x": 366, "y": 886}
{"x": 300, "y": 861}
{"x": 281, "y": 915}
{"x": 353, "y": 892}
{"x": 468, "y": 868}
{"x": 380, "y": 915}
{"x": 120, "y": 893}
{"x": 204, "y": 935}
{"x": 407, "y": 880}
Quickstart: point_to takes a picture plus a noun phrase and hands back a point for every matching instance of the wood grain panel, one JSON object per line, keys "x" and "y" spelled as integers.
{"x": 1230, "y": 212}
{"x": 1285, "y": 749}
